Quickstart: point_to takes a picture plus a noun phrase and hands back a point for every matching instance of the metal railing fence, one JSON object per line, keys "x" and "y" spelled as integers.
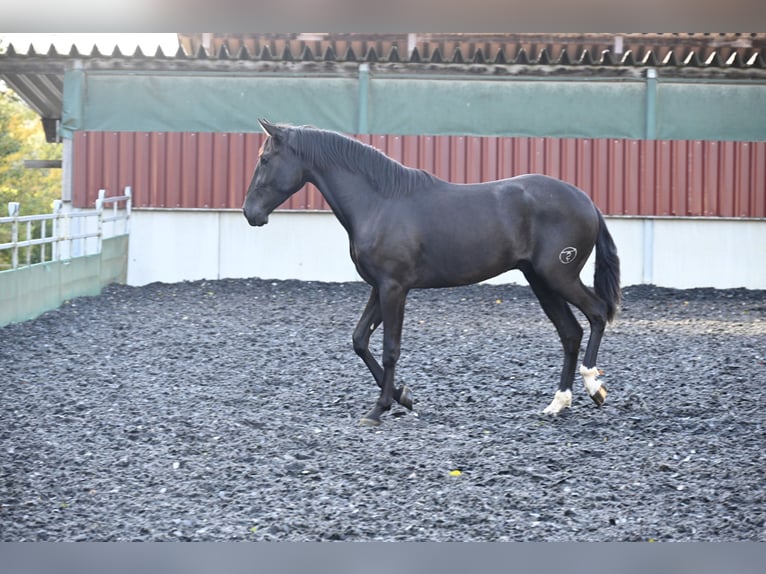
{"x": 62, "y": 234}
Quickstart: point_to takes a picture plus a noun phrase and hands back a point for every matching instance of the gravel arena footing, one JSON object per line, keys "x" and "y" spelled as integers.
{"x": 229, "y": 410}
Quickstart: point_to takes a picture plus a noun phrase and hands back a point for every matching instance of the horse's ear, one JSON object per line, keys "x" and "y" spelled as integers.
{"x": 272, "y": 129}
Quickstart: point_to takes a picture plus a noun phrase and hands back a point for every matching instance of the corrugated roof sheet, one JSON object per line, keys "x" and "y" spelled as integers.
{"x": 708, "y": 50}
{"x": 564, "y": 49}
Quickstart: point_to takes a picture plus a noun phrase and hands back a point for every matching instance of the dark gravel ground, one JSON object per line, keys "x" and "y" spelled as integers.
{"x": 228, "y": 410}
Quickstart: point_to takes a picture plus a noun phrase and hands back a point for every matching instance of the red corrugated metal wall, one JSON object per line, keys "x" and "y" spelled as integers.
{"x": 624, "y": 177}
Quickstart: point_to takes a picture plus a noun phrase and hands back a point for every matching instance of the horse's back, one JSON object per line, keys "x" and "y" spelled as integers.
{"x": 551, "y": 194}
{"x": 533, "y": 195}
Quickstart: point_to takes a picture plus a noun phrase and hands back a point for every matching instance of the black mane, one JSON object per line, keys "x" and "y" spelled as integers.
{"x": 327, "y": 149}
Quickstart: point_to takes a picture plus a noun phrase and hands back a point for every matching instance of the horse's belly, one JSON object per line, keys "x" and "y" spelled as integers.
{"x": 453, "y": 264}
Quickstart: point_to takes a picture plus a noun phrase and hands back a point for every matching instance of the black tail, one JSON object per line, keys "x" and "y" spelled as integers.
{"x": 606, "y": 279}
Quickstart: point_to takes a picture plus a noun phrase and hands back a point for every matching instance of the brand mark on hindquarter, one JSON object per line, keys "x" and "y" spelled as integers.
{"x": 568, "y": 254}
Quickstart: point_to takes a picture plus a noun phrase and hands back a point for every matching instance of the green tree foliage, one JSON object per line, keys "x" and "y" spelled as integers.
{"x": 22, "y": 138}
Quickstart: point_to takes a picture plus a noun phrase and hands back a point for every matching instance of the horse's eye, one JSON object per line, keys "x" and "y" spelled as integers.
{"x": 264, "y": 160}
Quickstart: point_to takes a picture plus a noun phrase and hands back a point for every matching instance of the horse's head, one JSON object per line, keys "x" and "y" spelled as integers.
{"x": 278, "y": 174}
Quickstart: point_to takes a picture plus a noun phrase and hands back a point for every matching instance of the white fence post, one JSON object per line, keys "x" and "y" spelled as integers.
{"x": 13, "y": 211}
{"x": 100, "y": 218}
{"x": 29, "y": 238}
{"x": 128, "y": 208}
{"x": 56, "y": 233}
{"x": 43, "y": 235}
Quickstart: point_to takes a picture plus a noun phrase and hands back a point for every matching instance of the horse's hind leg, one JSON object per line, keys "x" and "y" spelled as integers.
{"x": 368, "y": 322}
{"x": 569, "y": 331}
{"x": 595, "y": 310}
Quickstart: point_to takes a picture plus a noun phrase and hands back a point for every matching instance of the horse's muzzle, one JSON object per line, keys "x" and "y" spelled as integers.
{"x": 256, "y": 219}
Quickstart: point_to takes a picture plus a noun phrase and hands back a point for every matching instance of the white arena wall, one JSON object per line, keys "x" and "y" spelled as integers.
{"x": 185, "y": 245}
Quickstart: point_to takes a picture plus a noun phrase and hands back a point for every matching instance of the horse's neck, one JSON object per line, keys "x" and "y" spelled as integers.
{"x": 349, "y": 195}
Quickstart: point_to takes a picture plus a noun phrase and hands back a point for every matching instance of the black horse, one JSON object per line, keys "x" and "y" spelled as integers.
{"x": 409, "y": 229}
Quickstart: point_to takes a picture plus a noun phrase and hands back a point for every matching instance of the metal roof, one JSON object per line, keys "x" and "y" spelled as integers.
{"x": 629, "y": 49}
{"x": 38, "y": 78}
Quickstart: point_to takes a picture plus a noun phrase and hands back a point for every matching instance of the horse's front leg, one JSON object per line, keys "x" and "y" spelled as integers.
{"x": 391, "y": 300}
{"x": 369, "y": 321}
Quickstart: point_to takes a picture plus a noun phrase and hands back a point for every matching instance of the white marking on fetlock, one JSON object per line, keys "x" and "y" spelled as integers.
{"x": 561, "y": 400}
{"x": 589, "y": 378}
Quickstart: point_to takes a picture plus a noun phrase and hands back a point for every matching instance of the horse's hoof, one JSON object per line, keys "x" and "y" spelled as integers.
{"x": 366, "y": 421}
{"x": 600, "y": 395}
{"x": 561, "y": 400}
{"x": 405, "y": 397}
